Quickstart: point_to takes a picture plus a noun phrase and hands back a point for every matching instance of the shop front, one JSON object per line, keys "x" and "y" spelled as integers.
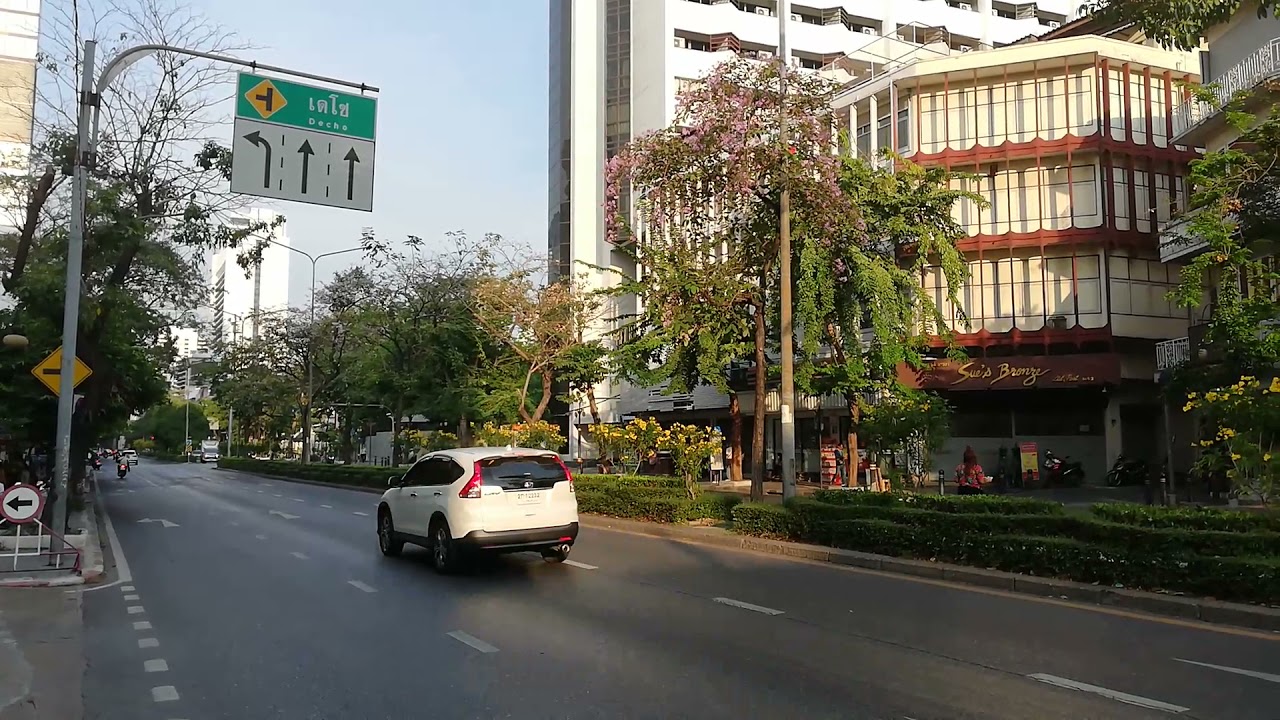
{"x": 1067, "y": 404}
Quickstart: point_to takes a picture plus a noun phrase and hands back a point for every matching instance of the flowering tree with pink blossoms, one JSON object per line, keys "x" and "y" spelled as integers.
{"x": 697, "y": 205}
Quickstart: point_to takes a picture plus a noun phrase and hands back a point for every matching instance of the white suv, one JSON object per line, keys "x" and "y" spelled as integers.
{"x": 454, "y": 502}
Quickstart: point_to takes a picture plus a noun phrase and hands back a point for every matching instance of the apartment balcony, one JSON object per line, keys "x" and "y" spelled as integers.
{"x": 1172, "y": 353}
{"x": 1196, "y": 122}
{"x": 1177, "y": 240}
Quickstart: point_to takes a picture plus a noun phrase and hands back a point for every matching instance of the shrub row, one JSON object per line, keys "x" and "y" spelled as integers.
{"x": 1239, "y": 578}
{"x": 1188, "y": 518}
{"x": 352, "y": 475}
{"x": 663, "y": 505}
{"x": 810, "y": 514}
{"x": 651, "y": 481}
{"x": 994, "y": 504}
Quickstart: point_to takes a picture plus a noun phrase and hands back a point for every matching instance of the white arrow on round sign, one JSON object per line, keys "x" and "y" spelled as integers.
{"x": 21, "y": 504}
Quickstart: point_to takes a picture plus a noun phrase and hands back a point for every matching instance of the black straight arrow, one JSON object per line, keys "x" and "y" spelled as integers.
{"x": 352, "y": 158}
{"x": 307, "y": 152}
{"x": 256, "y": 138}
{"x": 16, "y": 503}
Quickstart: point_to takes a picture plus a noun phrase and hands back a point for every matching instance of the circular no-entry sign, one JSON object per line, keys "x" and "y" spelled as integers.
{"x": 21, "y": 504}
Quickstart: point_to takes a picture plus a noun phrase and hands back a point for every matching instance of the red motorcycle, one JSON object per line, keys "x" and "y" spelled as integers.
{"x": 1062, "y": 471}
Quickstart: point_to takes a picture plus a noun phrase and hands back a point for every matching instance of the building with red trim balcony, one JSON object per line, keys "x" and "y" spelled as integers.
{"x": 1069, "y": 142}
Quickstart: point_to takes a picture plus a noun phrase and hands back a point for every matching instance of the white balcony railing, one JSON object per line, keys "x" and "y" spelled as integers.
{"x": 1172, "y": 353}
{"x": 1262, "y": 64}
{"x": 1176, "y": 239}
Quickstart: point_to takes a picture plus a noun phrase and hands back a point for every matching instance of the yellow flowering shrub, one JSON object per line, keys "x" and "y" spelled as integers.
{"x": 1240, "y": 429}
{"x": 534, "y": 434}
{"x": 691, "y": 447}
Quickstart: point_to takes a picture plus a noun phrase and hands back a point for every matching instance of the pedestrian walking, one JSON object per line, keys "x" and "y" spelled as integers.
{"x": 969, "y": 475}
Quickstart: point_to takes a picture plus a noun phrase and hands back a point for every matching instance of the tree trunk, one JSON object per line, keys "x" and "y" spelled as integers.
{"x": 395, "y": 437}
{"x": 595, "y": 409}
{"x": 855, "y": 416}
{"x": 735, "y": 438}
{"x": 464, "y": 431}
{"x": 348, "y": 446}
{"x": 545, "y": 399}
{"x": 762, "y": 376}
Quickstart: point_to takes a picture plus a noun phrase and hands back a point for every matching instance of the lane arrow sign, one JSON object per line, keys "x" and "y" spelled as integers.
{"x": 351, "y": 159}
{"x": 307, "y": 152}
{"x": 21, "y": 504}
{"x": 284, "y": 515}
{"x": 163, "y": 523}
{"x": 256, "y": 138}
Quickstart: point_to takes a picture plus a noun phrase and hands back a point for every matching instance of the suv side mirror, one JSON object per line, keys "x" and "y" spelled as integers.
{"x": 393, "y": 481}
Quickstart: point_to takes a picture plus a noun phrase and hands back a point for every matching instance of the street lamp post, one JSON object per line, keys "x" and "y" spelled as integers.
{"x": 311, "y": 365}
{"x": 89, "y": 100}
{"x": 186, "y": 402}
{"x": 788, "y": 389}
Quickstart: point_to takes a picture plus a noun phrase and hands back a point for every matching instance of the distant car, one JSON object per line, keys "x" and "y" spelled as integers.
{"x": 130, "y": 455}
{"x": 459, "y": 502}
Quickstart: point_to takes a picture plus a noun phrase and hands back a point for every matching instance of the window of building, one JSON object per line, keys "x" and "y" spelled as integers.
{"x": 1141, "y": 287}
{"x": 1003, "y": 294}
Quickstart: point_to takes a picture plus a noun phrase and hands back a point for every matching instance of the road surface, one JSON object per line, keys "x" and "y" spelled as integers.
{"x": 248, "y": 597}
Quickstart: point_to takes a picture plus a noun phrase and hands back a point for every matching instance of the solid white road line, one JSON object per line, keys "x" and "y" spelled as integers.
{"x": 157, "y": 665}
{"x": 123, "y": 574}
{"x": 300, "y": 556}
{"x": 144, "y": 643}
{"x": 142, "y": 625}
{"x": 1106, "y": 693}
{"x": 132, "y": 597}
{"x": 473, "y": 641}
{"x": 135, "y": 609}
{"x": 360, "y": 586}
{"x": 361, "y": 514}
{"x": 577, "y": 564}
{"x": 1269, "y": 677}
{"x": 747, "y": 606}
{"x": 164, "y": 693}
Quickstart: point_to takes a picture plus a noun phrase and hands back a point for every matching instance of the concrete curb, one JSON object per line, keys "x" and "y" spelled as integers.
{"x": 1206, "y": 610}
{"x": 92, "y": 556}
{"x": 1203, "y": 609}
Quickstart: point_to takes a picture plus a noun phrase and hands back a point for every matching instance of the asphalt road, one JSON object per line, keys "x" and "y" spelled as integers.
{"x": 261, "y": 598}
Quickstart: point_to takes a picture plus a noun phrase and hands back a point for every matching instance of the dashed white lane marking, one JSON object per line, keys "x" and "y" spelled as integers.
{"x": 360, "y": 586}
{"x": 473, "y": 641}
{"x": 156, "y": 665}
{"x": 262, "y": 492}
{"x": 276, "y": 495}
{"x": 144, "y": 643}
{"x": 299, "y": 500}
{"x": 300, "y": 556}
{"x": 131, "y": 597}
{"x": 577, "y": 564}
{"x": 1107, "y": 693}
{"x": 327, "y": 507}
{"x": 136, "y": 609}
{"x": 1269, "y": 677}
{"x": 361, "y": 514}
{"x": 747, "y": 606}
{"x": 164, "y": 693}
{"x": 126, "y": 588}
{"x": 261, "y": 537}
{"x": 142, "y": 625}
{"x": 235, "y": 524}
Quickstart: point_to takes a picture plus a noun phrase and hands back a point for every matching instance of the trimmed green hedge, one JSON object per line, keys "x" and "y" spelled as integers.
{"x": 655, "y": 504}
{"x": 369, "y": 476}
{"x": 996, "y": 504}
{"x": 650, "y": 481}
{"x": 1188, "y": 518}
{"x": 1236, "y": 578}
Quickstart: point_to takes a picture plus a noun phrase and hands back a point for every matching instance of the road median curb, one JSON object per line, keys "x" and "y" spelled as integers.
{"x": 1203, "y": 609}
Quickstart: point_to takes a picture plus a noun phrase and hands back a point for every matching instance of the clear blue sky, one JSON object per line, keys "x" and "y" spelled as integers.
{"x": 462, "y": 128}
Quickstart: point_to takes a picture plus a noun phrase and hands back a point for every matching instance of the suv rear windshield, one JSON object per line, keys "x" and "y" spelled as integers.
{"x": 522, "y": 472}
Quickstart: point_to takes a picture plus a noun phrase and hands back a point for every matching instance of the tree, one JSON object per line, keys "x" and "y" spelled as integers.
{"x": 859, "y": 287}
{"x": 167, "y": 426}
{"x": 707, "y": 190}
{"x": 1177, "y": 23}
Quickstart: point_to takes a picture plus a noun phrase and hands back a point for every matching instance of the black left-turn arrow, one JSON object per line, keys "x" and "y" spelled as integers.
{"x": 351, "y": 158}
{"x": 256, "y": 138}
{"x": 15, "y": 503}
{"x": 307, "y": 152}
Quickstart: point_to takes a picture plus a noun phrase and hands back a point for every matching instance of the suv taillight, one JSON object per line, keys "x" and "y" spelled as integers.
{"x": 567, "y": 475}
{"x": 472, "y": 488}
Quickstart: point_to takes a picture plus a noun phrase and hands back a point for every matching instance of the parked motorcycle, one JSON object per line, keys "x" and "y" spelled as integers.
{"x": 122, "y": 469}
{"x": 1128, "y": 472}
{"x": 1062, "y": 471}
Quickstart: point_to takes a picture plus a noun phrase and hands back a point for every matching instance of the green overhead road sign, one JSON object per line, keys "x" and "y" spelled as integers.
{"x": 306, "y": 107}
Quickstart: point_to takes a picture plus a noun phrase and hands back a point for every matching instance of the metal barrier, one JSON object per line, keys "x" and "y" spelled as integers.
{"x": 43, "y": 542}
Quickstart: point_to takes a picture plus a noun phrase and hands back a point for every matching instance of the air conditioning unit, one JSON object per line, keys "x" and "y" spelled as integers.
{"x": 796, "y": 18}
{"x": 794, "y": 62}
{"x": 1054, "y": 24}
{"x": 1057, "y": 322}
{"x": 966, "y": 48}
{"x": 680, "y": 42}
{"x": 762, "y": 11}
{"x": 868, "y": 31}
{"x": 965, "y": 6}
{"x": 995, "y": 13}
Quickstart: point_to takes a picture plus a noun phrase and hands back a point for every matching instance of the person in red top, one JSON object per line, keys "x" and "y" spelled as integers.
{"x": 969, "y": 475}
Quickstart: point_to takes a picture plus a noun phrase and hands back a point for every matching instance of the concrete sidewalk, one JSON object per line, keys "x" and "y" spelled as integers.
{"x": 41, "y": 654}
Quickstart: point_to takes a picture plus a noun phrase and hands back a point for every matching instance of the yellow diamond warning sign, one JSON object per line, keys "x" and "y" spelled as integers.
{"x": 49, "y": 371}
{"x": 265, "y": 99}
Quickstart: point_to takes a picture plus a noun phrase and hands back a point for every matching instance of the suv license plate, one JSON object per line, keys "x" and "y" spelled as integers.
{"x": 528, "y": 498}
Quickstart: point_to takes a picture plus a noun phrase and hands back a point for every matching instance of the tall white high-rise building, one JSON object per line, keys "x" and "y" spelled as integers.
{"x": 240, "y": 296}
{"x": 19, "y": 37}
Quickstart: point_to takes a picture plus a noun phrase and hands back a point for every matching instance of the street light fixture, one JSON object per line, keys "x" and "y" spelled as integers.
{"x": 14, "y": 341}
{"x": 311, "y": 365}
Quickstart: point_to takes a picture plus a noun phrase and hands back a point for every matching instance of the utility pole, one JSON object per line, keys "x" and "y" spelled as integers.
{"x": 231, "y": 428}
{"x": 788, "y": 389}
{"x": 186, "y": 402}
